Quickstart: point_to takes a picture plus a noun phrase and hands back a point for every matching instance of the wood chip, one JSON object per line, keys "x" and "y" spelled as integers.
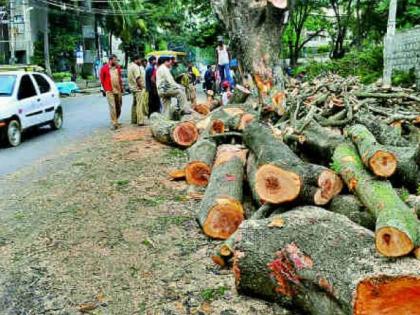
{"x": 276, "y": 222}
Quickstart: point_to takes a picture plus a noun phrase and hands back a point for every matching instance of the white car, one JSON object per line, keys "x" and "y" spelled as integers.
{"x": 27, "y": 99}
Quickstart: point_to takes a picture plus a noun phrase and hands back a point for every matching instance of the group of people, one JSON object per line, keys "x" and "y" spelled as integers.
{"x": 161, "y": 85}
{"x": 152, "y": 85}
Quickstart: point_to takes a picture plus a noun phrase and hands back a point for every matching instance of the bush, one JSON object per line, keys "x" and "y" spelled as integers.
{"x": 366, "y": 64}
{"x": 60, "y": 76}
{"x": 404, "y": 78}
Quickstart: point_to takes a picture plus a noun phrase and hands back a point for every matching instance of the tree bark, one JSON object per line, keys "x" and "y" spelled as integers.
{"x": 183, "y": 134}
{"x": 282, "y": 176}
{"x": 352, "y": 208}
{"x": 384, "y": 133}
{"x": 255, "y": 27}
{"x": 201, "y": 156}
{"x": 336, "y": 273}
{"x": 396, "y": 224}
{"x": 221, "y": 209}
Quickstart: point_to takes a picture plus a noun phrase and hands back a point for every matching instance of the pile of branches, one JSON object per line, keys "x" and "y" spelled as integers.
{"x": 334, "y": 222}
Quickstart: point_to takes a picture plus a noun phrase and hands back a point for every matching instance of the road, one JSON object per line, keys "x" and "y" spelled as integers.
{"x": 82, "y": 116}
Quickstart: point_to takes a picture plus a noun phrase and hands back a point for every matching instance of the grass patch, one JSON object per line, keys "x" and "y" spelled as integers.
{"x": 211, "y": 294}
{"x": 121, "y": 182}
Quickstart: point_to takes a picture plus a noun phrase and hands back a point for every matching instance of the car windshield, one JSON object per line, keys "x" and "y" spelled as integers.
{"x": 7, "y": 84}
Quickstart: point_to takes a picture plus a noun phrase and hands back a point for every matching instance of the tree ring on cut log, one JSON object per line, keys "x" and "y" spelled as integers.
{"x": 185, "y": 134}
{"x": 383, "y": 163}
{"x": 223, "y": 218}
{"x": 225, "y": 250}
{"x": 330, "y": 186}
{"x": 275, "y": 185}
{"x": 217, "y": 127}
{"x": 391, "y": 242}
{"x": 197, "y": 173}
{"x": 388, "y": 296}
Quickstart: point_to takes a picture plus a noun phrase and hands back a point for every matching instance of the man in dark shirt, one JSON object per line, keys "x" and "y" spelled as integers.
{"x": 151, "y": 88}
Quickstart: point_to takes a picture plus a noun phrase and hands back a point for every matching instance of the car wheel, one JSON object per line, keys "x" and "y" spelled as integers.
{"x": 14, "y": 133}
{"x": 57, "y": 122}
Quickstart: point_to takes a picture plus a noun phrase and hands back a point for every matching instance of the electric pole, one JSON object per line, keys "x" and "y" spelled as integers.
{"x": 389, "y": 38}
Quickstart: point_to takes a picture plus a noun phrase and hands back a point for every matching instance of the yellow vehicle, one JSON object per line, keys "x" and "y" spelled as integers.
{"x": 26, "y": 68}
{"x": 179, "y": 55}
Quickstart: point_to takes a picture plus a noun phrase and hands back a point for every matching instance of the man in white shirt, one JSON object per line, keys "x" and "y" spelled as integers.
{"x": 223, "y": 61}
{"x": 168, "y": 88}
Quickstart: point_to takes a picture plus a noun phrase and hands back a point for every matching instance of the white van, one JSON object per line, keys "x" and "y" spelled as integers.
{"x": 27, "y": 99}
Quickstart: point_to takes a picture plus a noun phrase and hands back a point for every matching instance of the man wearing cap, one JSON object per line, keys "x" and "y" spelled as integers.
{"x": 168, "y": 88}
{"x": 136, "y": 82}
{"x": 112, "y": 83}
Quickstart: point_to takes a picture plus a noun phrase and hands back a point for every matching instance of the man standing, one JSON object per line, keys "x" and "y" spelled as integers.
{"x": 154, "y": 102}
{"x": 136, "y": 84}
{"x": 223, "y": 61}
{"x": 112, "y": 83}
{"x": 168, "y": 88}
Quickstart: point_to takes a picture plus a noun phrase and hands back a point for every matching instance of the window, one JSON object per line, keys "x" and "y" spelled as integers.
{"x": 7, "y": 84}
{"x": 26, "y": 88}
{"x": 43, "y": 84}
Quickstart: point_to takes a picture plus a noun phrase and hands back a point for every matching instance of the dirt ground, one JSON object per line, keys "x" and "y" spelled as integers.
{"x": 101, "y": 229}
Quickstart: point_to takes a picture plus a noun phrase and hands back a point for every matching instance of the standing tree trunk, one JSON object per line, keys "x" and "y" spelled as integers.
{"x": 255, "y": 28}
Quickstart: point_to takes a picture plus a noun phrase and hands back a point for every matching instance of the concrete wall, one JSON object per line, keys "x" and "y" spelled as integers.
{"x": 402, "y": 52}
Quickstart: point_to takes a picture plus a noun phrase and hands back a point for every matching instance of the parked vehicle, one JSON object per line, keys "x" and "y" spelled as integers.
{"x": 27, "y": 99}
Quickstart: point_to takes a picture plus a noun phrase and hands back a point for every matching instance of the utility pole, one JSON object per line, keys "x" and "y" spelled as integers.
{"x": 12, "y": 33}
{"x": 46, "y": 42}
{"x": 389, "y": 37}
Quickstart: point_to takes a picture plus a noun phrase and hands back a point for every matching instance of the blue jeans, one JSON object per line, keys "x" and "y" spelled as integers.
{"x": 224, "y": 71}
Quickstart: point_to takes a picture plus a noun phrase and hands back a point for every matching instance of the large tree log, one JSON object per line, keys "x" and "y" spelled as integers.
{"x": 255, "y": 28}
{"x": 183, "y": 134}
{"x": 201, "y": 156}
{"x": 221, "y": 209}
{"x": 375, "y": 156}
{"x": 282, "y": 176}
{"x": 324, "y": 264}
{"x": 396, "y": 224}
{"x": 251, "y": 171}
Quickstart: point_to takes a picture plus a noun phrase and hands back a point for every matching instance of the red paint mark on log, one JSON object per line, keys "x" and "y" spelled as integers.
{"x": 283, "y": 272}
{"x": 230, "y": 178}
{"x": 300, "y": 260}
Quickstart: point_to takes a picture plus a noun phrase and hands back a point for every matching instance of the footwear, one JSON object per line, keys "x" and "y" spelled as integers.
{"x": 113, "y": 127}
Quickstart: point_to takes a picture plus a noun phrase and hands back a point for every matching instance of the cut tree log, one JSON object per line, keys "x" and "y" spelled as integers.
{"x": 183, "y": 134}
{"x": 240, "y": 95}
{"x": 384, "y": 133}
{"x": 396, "y": 224}
{"x": 201, "y": 156}
{"x": 353, "y": 209}
{"x": 316, "y": 141}
{"x": 375, "y": 156}
{"x": 282, "y": 176}
{"x": 203, "y": 109}
{"x": 221, "y": 209}
{"x": 323, "y": 264}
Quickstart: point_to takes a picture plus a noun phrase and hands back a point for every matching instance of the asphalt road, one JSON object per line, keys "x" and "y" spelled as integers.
{"x": 82, "y": 116}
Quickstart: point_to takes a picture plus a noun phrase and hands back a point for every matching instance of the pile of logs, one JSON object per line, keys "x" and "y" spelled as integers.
{"x": 334, "y": 183}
